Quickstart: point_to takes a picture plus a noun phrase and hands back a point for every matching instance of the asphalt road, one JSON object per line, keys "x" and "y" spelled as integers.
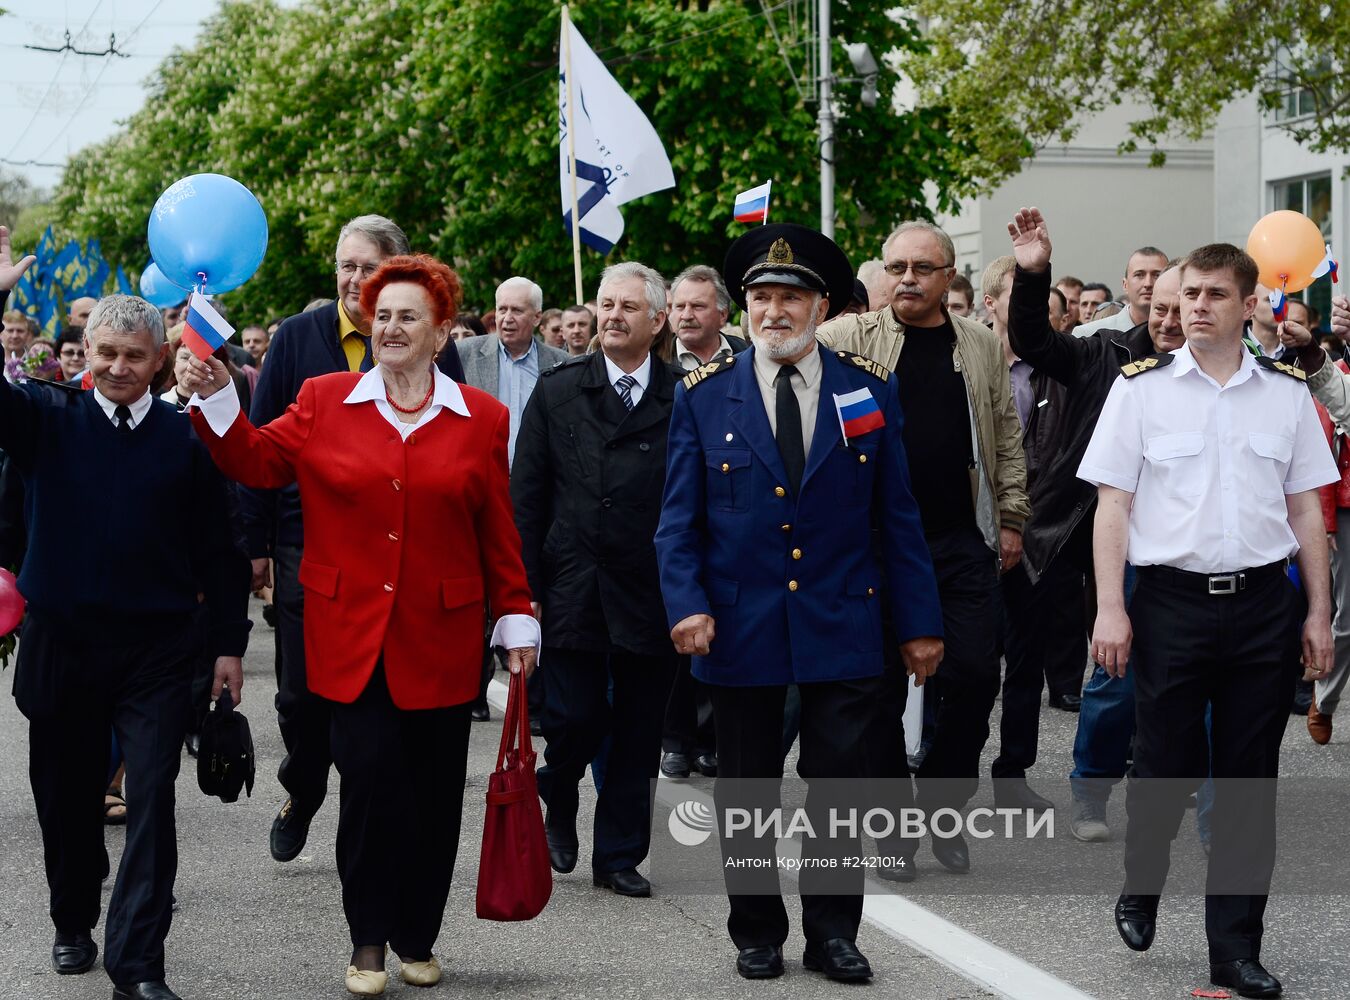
{"x": 247, "y": 927}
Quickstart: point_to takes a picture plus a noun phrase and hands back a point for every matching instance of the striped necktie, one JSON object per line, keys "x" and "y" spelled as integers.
{"x": 624, "y": 387}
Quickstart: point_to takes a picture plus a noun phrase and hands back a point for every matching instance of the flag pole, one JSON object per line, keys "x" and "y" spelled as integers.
{"x": 572, "y": 150}
{"x": 768, "y": 194}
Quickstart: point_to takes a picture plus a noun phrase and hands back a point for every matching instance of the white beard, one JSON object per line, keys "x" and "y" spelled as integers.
{"x": 778, "y": 347}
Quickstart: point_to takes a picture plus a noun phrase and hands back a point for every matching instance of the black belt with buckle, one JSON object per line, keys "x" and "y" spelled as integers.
{"x": 1217, "y": 584}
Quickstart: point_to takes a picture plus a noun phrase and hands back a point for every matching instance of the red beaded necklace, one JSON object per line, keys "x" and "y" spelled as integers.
{"x": 405, "y": 409}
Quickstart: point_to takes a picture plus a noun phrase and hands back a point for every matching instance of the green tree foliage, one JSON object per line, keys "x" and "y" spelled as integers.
{"x": 1017, "y": 76}
{"x": 442, "y": 114}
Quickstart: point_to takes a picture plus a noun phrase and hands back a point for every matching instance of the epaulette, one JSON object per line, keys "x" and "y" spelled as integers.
{"x": 1271, "y": 364}
{"x": 704, "y": 371}
{"x": 866, "y": 364}
{"x": 1145, "y": 365}
{"x": 565, "y": 363}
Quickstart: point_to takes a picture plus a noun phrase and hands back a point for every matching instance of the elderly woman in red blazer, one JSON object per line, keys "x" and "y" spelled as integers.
{"x": 408, "y": 531}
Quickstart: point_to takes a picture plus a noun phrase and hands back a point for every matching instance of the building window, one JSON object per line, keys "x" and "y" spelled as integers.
{"x": 1312, "y": 197}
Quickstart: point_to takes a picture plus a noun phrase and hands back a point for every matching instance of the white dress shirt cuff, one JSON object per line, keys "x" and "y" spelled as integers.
{"x": 220, "y": 409}
{"x": 516, "y": 631}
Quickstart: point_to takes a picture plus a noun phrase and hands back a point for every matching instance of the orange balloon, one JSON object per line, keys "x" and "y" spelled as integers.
{"x": 1287, "y": 247}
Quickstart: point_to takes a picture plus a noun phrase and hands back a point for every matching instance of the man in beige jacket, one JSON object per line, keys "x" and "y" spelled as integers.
{"x": 964, "y": 444}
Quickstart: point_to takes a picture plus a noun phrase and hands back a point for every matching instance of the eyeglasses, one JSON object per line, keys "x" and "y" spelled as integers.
{"x": 72, "y": 352}
{"x": 921, "y": 268}
{"x": 347, "y": 268}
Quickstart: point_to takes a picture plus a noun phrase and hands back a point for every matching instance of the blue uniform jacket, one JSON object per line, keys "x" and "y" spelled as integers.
{"x": 793, "y": 584}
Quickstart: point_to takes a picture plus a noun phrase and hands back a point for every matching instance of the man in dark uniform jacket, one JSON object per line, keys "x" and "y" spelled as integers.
{"x": 781, "y": 460}
{"x": 586, "y": 483}
{"x": 112, "y": 647}
{"x": 334, "y": 338}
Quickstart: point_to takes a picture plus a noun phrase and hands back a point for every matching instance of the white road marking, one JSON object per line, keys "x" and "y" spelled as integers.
{"x": 966, "y": 954}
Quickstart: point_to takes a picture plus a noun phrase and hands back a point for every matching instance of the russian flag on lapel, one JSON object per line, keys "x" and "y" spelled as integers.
{"x": 753, "y": 205}
{"x": 205, "y": 330}
{"x": 858, "y": 413}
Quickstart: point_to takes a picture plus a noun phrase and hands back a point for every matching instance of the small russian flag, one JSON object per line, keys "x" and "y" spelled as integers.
{"x": 1279, "y": 305}
{"x": 753, "y": 205}
{"x": 858, "y": 412}
{"x": 205, "y": 330}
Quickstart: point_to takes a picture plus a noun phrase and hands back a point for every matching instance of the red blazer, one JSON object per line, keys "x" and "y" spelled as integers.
{"x": 404, "y": 540}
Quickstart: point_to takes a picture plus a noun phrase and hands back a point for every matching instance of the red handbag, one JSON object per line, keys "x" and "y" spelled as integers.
{"x": 514, "y": 877}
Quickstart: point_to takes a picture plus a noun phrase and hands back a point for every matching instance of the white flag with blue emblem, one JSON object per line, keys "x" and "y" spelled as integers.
{"x": 619, "y": 155}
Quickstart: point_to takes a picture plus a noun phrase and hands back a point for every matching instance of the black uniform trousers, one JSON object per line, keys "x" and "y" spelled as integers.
{"x": 78, "y": 684}
{"x": 578, "y": 715}
{"x": 1239, "y": 654}
{"x": 401, "y": 796}
{"x": 303, "y": 717}
{"x": 689, "y": 723}
{"x": 1044, "y": 644}
{"x": 839, "y": 755}
{"x": 968, "y": 676}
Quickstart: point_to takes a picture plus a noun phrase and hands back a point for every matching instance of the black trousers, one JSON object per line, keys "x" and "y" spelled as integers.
{"x": 576, "y": 720}
{"x": 304, "y": 717}
{"x": 689, "y": 725}
{"x": 136, "y": 684}
{"x": 1044, "y": 644}
{"x": 968, "y": 676}
{"x": 840, "y": 747}
{"x": 1239, "y": 654}
{"x": 401, "y": 798}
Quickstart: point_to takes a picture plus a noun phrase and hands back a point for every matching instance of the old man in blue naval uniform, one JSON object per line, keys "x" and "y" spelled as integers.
{"x": 781, "y": 462}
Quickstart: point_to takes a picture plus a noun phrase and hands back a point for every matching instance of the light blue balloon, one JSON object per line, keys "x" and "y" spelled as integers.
{"x": 158, "y": 290}
{"x": 208, "y": 224}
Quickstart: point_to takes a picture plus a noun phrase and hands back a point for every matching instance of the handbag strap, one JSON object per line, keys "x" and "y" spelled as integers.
{"x": 516, "y": 727}
{"x": 526, "y": 745}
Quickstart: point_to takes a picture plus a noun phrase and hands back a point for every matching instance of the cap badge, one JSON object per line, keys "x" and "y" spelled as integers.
{"x": 780, "y": 252}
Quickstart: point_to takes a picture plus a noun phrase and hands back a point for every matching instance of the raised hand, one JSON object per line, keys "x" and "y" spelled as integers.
{"x": 10, "y": 273}
{"x": 1030, "y": 240}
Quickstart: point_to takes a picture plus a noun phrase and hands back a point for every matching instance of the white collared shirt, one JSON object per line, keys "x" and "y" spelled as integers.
{"x": 1209, "y": 465}
{"x": 688, "y": 360}
{"x": 222, "y": 408}
{"x": 643, "y": 374}
{"x": 138, "y": 409}
{"x": 445, "y": 396}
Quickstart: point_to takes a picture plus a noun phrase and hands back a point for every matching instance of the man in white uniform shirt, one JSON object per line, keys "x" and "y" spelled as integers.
{"x": 1207, "y": 462}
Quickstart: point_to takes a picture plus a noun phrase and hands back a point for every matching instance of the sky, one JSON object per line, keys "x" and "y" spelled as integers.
{"x": 54, "y": 104}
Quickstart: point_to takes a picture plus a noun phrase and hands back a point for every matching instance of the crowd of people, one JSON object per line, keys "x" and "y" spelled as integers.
{"x": 716, "y": 538}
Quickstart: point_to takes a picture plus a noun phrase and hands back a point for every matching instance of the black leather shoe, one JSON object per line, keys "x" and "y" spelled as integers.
{"x": 480, "y": 713}
{"x": 624, "y": 882}
{"x": 760, "y": 963}
{"x": 838, "y": 958}
{"x": 706, "y": 764}
{"x": 290, "y": 830}
{"x": 192, "y": 743}
{"x": 1136, "y": 920}
{"x": 536, "y": 727}
{"x": 1015, "y": 793}
{"x": 155, "y": 990}
{"x": 1245, "y": 975}
{"x": 560, "y": 829}
{"x": 675, "y": 765}
{"x": 73, "y": 954}
{"x": 952, "y": 853}
{"x": 1066, "y": 702}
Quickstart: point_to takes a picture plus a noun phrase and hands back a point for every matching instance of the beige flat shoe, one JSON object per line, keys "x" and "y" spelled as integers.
{"x": 366, "y": 982}
{"x": 421, "y": 973}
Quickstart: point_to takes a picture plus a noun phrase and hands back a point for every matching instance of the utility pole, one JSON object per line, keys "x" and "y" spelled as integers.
{"x": 825, "y": 116}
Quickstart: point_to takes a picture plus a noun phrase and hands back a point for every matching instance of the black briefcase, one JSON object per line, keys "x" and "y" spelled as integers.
{"x": 225, "y": 764}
